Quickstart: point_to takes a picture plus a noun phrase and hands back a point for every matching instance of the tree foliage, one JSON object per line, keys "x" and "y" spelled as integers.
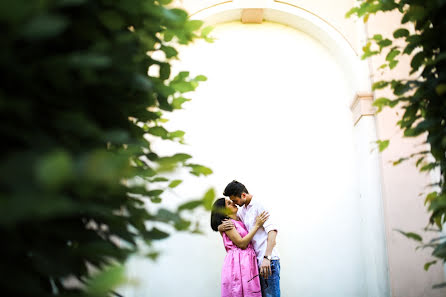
{"x": 78, "y": 112}
{"x": 423, "y": 96}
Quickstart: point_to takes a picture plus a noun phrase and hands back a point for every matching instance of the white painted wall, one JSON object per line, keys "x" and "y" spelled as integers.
{"x": 373, "y": 246}
{"x": 274, "y": 115}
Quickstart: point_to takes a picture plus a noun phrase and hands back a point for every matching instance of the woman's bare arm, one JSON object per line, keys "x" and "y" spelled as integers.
{"x": 243, "y": 242}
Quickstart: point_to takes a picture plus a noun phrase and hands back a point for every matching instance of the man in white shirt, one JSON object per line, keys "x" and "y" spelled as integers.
{"x": 264, "y": 240}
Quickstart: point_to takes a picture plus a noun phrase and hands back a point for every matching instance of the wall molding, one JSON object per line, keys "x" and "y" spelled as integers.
{"x": 361, "y": 106}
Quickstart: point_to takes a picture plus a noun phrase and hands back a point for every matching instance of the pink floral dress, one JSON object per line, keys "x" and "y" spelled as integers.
{"x": 240, "y": 273}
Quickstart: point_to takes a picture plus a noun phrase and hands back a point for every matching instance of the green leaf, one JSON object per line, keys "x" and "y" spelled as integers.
{"x": 183, "y": 86}
{"x": 400, "y": 88}
{"x": 428, "y": 167}
{"x": 377, "y": 37}
{"x": 440, "y": 251}
{"x": 159, "y": 179}
{"x": 181, "y": 76}
{"x": 419, "y": 161}
{"x": 176, "y": 158}
{"x": 208, "y": 199}
{"x": 393, "y": 64}
{"x": 428, "y": 264}
{"x": 379, "y": 85}
{"x": 351, "y": 12}
{"x": 177, "y": 16}
{"x": 415, "y": 13}
{"x": 417, "y": 61}
{"x": 430, "y": 197}
{"x": 369, "y": 54}
{"x": 363, "y": 8}
{"x": 392, "y": 54}
{"x": 111, "y": 19}
{"x": 175, "y": 183}
{"x": 45, "y": 26}
{"x": 440, "y": 57}
{"x": 164, "y": 71}
{"x": 176, "y": 134}
{"x": 366, "y": 18}
{"x": 411, "y": 235}
{"x": 168, "y": 35}
{"x": 154, "y": 192}
{"x": 439, "y": 286}
{"x": 70, "y": 2}
{"x": 143, "y": 83}
{"x": 159, "y": 131}
{"x": 399, "y": 33}
{"x": 177, "y": 103}
{"x": 164, "y": 103}
{"x": 156, "y": 199}
{"x": 153, "y": 255}
{"x": 382, "y": 144}
{"x": 200, "y": 78}
{"x": 440, "y": 89}
{"x": 413, "y": 41}
{"x": 193, "y": 25}
{"x": 399, "y": 161}
{"x": 103, "y": 282}
{"x": 199, "y": 169}
{"x": 89, "y": 60}
{"x": 169, "y": 51}
{"x": 384, "y": 43}
{"x": 380, "y": 103}
{"x": 190, "y": 205}
{"x": 170, "y": 163}
{"x": 16, "y": 11}
{"x": 54, "y": 170}
{"x": 412, "y": 132}
{"x": 156, "y": 234}
{"x": 206, "y": 31}
{"x": 182, "y": 225}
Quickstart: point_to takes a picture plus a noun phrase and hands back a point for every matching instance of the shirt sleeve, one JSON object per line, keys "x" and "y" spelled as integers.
{"x": 270, "y": 224}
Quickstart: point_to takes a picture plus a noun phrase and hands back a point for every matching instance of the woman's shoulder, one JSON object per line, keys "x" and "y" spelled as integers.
{"x": 240, "y": 225}
{"x": 238, "y": 221}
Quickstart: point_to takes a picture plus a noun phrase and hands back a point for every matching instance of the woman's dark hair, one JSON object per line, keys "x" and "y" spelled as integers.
{"x": 235, "y": 188}
{"x": 218, "y": 213}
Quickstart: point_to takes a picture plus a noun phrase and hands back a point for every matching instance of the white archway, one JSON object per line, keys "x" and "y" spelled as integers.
{"x": 302, "y": 20}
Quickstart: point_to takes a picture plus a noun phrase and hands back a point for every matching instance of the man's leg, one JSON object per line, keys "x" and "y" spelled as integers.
{"x": 271, "y": 285}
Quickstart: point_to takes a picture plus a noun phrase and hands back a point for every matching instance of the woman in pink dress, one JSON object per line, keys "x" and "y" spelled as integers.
{"x": 240, "y": 273}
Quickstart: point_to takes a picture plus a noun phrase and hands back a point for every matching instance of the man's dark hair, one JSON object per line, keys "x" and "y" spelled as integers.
{"x": 235, "y": 188}
{"x": 218, "y": 213}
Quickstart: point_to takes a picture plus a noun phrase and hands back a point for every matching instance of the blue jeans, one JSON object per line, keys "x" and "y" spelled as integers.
{"x": 271, "y": 285}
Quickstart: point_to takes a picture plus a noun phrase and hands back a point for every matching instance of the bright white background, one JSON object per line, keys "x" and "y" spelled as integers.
{"x": 274, "y": 114}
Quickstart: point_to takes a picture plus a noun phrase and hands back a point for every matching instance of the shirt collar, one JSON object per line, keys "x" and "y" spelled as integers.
{"x": 250, "y": 203}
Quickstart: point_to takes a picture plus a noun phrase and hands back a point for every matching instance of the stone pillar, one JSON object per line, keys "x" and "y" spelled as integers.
{"x": 373, "y": 239}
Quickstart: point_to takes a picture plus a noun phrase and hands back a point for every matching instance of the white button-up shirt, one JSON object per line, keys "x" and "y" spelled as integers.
{"x": 248, "y": 215}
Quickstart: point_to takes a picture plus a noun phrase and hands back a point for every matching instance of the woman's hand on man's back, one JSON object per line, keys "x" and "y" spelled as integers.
{"x": 226, "y": 225}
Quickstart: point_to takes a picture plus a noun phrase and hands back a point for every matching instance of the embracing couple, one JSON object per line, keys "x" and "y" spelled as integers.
{"x": 251, "y": 267}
